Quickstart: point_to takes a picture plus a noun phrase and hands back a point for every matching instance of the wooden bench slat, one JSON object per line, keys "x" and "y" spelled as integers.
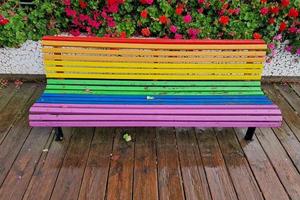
{"x": 155, "y": 77}
{"x": 153, "y": 40}
{"x": 155, "y": 65}
{"x": 153, "y": 83}
{"x": 151, "y": 71}
{"x": 103, "y": 58}
{"x": 154, "y": 124}
{"x": 153, "y": 46}
{"x": 178, "y": 53}
{"x": 153, "y": 93}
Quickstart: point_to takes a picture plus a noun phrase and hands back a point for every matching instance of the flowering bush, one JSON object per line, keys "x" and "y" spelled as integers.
{"x": 215, "y": 19}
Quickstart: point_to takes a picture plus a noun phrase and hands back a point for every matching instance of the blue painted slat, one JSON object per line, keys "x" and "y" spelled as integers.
{"x": 123, "y": 99}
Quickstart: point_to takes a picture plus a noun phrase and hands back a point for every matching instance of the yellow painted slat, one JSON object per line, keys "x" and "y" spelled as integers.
{"x": 152, "y": 77}
{"x": 153, "y": 53}
{"x": 150, "y": 59}
{"x": 150, "y": 46}
{"x": 152, "y": 71}
{"x": 152, "y": 65}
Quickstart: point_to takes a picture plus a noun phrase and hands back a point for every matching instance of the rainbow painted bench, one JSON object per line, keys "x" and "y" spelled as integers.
{"x": 105, "y": 82}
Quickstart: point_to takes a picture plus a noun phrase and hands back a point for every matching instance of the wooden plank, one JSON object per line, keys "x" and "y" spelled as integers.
{"x": 154, "y": 83}
{"x": 290, "y": 95}
{"x": 156, "y": 77}
{"x": 262, "y": 169}
{"x": 95, "y": 177}
{"x": 193, "y": 174}
{"x": 170, "y": 182}
{"x": 19, "y": 176}
{"x": 6, "y": 94}
{"x": 46, "y": 172}
{"x": 221, "y": 93}
{"x": 16, "y": 135}
{"x": 288, "y": 112}
{"x": 120, "y": 181}
{"x": 123, "y": 70}
{"x": 281, "y": 162}
{"x": 156, "y": 65}
{"x": 14, "y": 108}
{"x": 152, "y": 40}
{"x": 237, "y": 165}
{"x": 151, "y": 88}
{"x": 290, "y": 143}
{"x": 154, "y": 46}
{"x": 145, "y": 184}
{"x": 296, "y": 87}
{"x": 152, "y": 53}
{"x": 144, "y": 59}
{"x": 70, "y": 176}
{"x": 219, "y": 181}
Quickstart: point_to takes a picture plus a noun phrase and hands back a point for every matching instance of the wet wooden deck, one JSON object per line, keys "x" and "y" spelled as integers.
{"x": 158, "y": 164}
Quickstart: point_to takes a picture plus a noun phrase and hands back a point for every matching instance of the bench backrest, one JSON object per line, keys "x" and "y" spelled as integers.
{"x": 153, "y": 59}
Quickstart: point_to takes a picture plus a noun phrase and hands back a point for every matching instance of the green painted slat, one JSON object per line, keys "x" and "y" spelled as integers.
{"x": 153, "y": 93}
{"x": 150, "y": 89}
{"x": 153, "y": 83}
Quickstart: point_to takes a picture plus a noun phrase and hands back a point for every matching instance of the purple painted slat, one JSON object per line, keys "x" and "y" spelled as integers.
{"x": 153, "y": 124}
{"x": 150, "y": 106}
{"x": 216, "y": 111}
{"x": 228, "y": 118}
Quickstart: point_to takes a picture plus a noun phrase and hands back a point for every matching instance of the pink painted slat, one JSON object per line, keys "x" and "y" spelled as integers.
{"x": 229, "y": 118}
{"x": 150, "y": 106}
{"x": 152, "y": 124}
{"x": 228, "y": 111}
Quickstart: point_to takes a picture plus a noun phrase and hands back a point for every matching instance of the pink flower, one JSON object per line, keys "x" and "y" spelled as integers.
{"x": 200, "y": 10}
{"x": 104, "y": 14}
{"x": 178, "y": 36}
{"x": 187, "y": 18}
{"x": 201, "y": 1}
{"x": 173, "y": 29}
{"x": 237, "y": 11}
{"x": 83, "y": 17}
{"x": 271, "y": 46}
{"x": 278, "y": 37}
{"x": 293, "y": 29}
{"x": 67, "y": 2}
{"x": 298, "y": 52}
{"x": 75, "y": 32}
{"x": 149, "y": 2}
{"x": 70, "y": 12}
{"x": 264, "y": 11}
{"x": 193, "y": 32}
{"x": 111, "y": 22}
{"x": 288, "y": 48}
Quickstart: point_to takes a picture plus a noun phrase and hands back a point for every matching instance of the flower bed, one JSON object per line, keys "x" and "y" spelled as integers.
{"x": 221, "y": 19}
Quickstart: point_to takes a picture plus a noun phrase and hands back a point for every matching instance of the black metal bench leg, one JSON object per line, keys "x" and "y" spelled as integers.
{"x": 58, "y": 134}
{"x": 249, "y": 134}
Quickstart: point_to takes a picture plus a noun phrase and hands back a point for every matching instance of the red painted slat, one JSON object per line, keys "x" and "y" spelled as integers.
{"x": 150, "y": 40}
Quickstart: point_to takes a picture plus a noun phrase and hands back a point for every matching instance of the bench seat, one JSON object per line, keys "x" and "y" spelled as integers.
{"x": 103, "y": 82}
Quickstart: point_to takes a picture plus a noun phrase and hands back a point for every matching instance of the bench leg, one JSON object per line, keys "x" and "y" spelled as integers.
{"x": 58, "y": 134}
{"x": 249, "y": 134}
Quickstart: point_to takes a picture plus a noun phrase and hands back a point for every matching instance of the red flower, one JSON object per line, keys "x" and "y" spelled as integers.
{"x": 3, "y": 21}
{"x": 293, "y": 13}
{"x": 282, "y": 26}
{"x": 70, "y": 12}
{"x": 264, "y": 11}
{"x": 224, "y": 20}
{"x": 201, "y": 1}
{"x": 271, "y": 21}
{"x": 67, "y": 2}
{"x": 257, "y": 36}
{"x": 179, "y": 10}
{"x": 285, "y": 3}
{"x": 82, "y": 4}
{"x": 163, "y": 19}
{"x": 123, "y": 34}
{"x": 146, "y": 32}
{"x": 274, "y": 10}
{"x": 144, "y": 14}
{"x": 263, "y": 1}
